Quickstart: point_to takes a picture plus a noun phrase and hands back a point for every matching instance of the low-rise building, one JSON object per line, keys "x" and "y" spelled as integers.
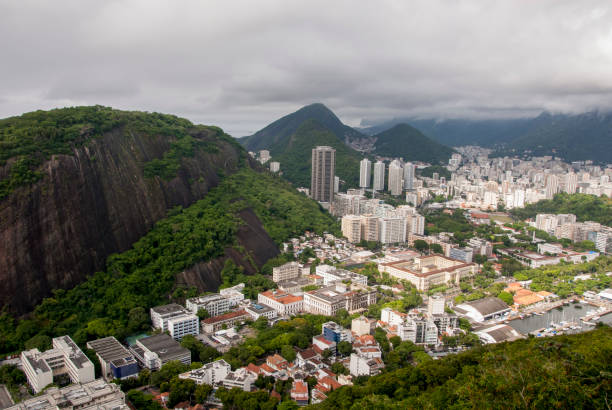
{"x": 329, "y": 300}
{"x": 336, "y": 333}
{"x": 294, "y": 285}
{"x": 115, "y": 360}
{"x": 462, "y": 254}
{"x": 483, "y": 309}
{"x": 94, "y": 395}
{"x": 497, "y": 333}
{"x": 288, "y": 271}
{"x": 429, "y": 271}
{"x": 234, "y": 294}
{"x": 240, "y": 378}
{"x": 299, "y": 392}
{"x": 257, "y": 310}
{"x": 420, "y": 331}
{"x": 214, "y": 304}
{"x": 211, "y": 373}
{"x": 362, "y": 326}
{"x": 320, "y": 344}
{"x": 332, "y": 274}
{"x": 226, "y": 320}
{"x": 363, "y": 366}
{"x": 64, "y": 358}
{"x": 154, "y": 351}
{"x": 284, "y": 303}
{"x": 175, "y": 319}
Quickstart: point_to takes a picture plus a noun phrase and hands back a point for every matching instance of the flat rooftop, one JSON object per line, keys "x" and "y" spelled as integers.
{"x": 166, "y": 309}
{"x": 109, "y": 349}
{"x": 164, "y": 345}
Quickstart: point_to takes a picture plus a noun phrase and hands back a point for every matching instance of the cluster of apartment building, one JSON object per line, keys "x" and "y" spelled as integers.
{"x": 478, "y": 181}
{"x": 565, "y": 226}
{"x": 374, "y": 220}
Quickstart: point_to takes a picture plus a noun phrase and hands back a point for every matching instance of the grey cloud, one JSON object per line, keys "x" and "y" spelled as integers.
{"x": 242, "y": 64}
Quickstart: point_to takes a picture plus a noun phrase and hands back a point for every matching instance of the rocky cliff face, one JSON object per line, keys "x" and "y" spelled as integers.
{"x": 251, "y": 236}
{"x": 94, "y": 203}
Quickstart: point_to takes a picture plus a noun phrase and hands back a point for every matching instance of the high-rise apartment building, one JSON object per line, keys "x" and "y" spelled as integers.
{"x": 379, "y": 176}
{"x": 323, "y": 172}
{"x": 369, "y": 228}
{"x": 392, "y": 230}
{"x": 416, "y": 224}
{"x": 552, "y": 186}
{"x": 365, "y": 173}
{"x": 409, "y": 169}
{"x": 351, "y": 228}
{"x": 395, "y": 178}
{"x": 571, "y": 183}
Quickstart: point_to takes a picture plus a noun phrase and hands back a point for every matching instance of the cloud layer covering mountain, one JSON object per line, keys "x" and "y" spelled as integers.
{"x": 241, "y": 65}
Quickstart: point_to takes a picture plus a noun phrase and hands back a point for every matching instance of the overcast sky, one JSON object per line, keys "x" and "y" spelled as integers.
{"x": 243, "y": 64}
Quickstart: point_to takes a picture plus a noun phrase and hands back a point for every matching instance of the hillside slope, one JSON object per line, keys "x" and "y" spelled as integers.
{"x": 296, "y": 158}
{"x": 79, "y": 184}
{"x": 249, "y": 212}
{"x": 410, "y": 144}
{"x": 552, "y": 372}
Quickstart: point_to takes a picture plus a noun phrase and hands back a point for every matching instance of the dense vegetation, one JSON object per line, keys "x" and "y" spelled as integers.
{"x": 455, "y": 223}
{"x": 404, "y": 141}
{"x": 559, "y": 279}
{"x": 585, "y": 207}
{"x": 295, "y": 155}
{"x": 28, "y": 140}
{"x": 441, "y": 170}
{"x": 559, "y": 372}
{"x": 114, "y": 302}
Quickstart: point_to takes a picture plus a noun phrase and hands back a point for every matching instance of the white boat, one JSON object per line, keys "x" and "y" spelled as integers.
{"x": 584, "y": 301}
{"x": 595, "y": 318}
{"x": 589, "y": 323}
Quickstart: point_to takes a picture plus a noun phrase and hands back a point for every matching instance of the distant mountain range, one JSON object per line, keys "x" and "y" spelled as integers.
{"x": 571, "y": 137}
{"x": 290, "y": 141}
{"x": 410, "y": 144}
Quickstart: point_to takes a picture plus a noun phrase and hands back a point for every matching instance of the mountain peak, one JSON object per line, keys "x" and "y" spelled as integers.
{"x": 275, "y": 134}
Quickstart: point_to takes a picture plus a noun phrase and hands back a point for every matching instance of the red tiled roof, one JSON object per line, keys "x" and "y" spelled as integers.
{"x": 225, "y": 316}
{"x": 282, "y": 297}
{"x": 267, "y": 368}
{"x": 299, "y": 387}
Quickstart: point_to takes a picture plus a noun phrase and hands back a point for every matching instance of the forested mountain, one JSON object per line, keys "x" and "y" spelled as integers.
{"x": 291, "y": 139}
{"x": 296, "y": 156}
{"x": 571, "y": 137}
{"x": 457, "y": 132}
{"x": 274, "y": 136}
{"x": 79, "y": 184}
{"x": 410, "y": 144}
